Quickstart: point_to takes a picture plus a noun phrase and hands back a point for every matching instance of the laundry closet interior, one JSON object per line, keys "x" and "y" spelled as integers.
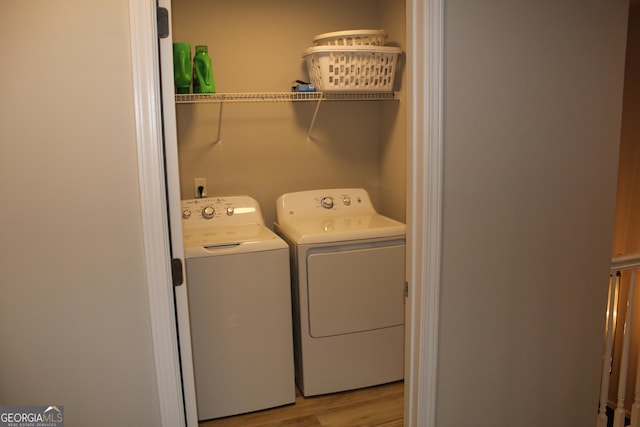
{"x": 257, "y": 46}
{"x": 264, "y": 148}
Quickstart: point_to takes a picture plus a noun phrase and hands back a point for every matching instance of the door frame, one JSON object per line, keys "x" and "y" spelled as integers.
{"x": 153, "y": 206}
{"x": 424, "y": 211}
{"x": 425, "y": 147}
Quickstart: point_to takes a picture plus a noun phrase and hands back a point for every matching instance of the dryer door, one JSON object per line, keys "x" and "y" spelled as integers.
{"x": 355, "y": 288}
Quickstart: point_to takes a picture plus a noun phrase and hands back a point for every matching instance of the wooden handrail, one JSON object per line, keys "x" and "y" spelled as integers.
{"x": 625, "y": 262}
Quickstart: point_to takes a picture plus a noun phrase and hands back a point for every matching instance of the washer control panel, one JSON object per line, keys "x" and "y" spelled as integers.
{"x": 220, "y": 212}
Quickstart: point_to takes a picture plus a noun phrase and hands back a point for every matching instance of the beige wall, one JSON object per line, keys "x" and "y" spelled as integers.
{"x": 74, "y": 316}
{"x": 393, "y": 139}
{"x": 257, "y": 46}
{"x": 532, "y": 119}
{"x": 627, "y": 235}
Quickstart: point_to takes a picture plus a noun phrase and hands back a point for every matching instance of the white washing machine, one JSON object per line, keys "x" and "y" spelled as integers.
{"x": 348, "y": 270}
{"x": 239, "y": 293}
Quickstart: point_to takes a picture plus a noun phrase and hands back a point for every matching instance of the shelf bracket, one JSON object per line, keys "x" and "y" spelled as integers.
{"x": 223, "y": 98}
{"x": 218, "y": 141}
{"x": 313, "y": 120}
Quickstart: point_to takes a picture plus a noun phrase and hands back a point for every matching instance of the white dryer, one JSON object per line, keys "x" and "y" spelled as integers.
{"x": 348, "y": 275}
{"x": 239, "y": 293}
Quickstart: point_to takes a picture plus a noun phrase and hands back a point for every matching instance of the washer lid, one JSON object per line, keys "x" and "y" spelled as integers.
{"x": 310, "y": 229}
{"x": 209, "y": 241}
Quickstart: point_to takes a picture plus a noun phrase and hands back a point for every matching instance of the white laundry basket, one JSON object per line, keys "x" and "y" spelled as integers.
{"x": 351, "y": 38}
{"x": 353, "y": 68}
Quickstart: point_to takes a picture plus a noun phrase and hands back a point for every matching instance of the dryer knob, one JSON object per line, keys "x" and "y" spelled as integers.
{"x": 230, "y": 210}
{"x": 326, "y": 202}
{"x": 186, "y": 213}
{"x": 208, "y": 212}
{"x": 346, "y": 200}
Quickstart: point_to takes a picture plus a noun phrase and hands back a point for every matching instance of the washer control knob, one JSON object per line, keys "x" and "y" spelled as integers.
{"x": 326, "y": 202}
{"x": 186, "y": 214}
{"x": 346, "y": 200}
{"x": 230, "y": 210}
{"x": 208, "y": 212}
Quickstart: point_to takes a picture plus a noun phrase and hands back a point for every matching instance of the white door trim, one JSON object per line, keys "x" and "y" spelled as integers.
{"x": 151, "y": 179}
{"x": 424, "y": 199}
{"x": 424, "y": 206}
{"x": 175, "y": 220}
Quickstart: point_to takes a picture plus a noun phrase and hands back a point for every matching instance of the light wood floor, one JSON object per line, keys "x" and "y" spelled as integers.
{"x": 379, "y": 406}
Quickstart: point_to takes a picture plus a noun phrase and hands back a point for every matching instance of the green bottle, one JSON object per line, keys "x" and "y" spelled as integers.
{"x": 202, "y": 72}
{"x": 182, "y": 72}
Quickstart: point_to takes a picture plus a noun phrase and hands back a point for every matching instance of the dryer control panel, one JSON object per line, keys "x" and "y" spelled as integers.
{"x": 220, "y": 211}
{"x": 330, "y": 202}
{"x": 325, "y": 216}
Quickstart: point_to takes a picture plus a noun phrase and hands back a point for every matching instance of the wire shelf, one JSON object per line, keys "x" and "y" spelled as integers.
{"x": 215, "y": 98}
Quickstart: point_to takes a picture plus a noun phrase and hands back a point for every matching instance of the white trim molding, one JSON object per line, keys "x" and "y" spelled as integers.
{"x": 172, "y": 172}
{"x": 425, "y": 160}
{"x": 145, "y": 66}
